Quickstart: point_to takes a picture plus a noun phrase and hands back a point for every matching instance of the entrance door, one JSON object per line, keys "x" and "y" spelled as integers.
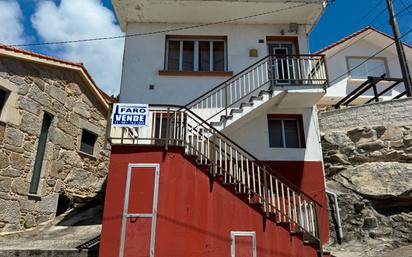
{"x": 139, "y": 211}
{"x": 243, "y": 244}
{"x": 283, "y": 64}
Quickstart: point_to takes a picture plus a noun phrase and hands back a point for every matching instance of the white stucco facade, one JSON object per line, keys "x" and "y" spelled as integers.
{"x": 146, "y": 78}
{"x": 361, "y": 46}
{"x": 145, "y": 56}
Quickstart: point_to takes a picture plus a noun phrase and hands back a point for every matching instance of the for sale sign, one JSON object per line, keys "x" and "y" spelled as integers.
{"x": 130, "y": 115}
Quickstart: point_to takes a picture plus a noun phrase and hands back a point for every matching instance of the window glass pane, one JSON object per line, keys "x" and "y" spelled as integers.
{"x": 376, "y": 67}
{"x": 291, "y": 133}
{"x": 88, "y": 141}
{"x": 173, "y": 55}
{"x": 3, "y": 95}
{"x": 275, "y": 133}
{"x": 204, "y": 55}
{"x": 188, "y": 55}
{"x": 218, "y": 56}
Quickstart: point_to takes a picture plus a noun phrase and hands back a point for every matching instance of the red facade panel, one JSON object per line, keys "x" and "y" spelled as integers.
{"x": 195, "y": 215}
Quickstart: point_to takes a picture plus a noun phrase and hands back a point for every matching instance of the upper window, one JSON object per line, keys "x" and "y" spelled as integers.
{"x": 88, "y": 142}
{"x": 374, "y": 67}
{"x": 196, "y": 54}
{"x": 286, "y": 132}
{"x": 3, "y": 96}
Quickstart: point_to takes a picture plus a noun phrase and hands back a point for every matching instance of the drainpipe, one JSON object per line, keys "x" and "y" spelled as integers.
{"x": 335, "y": 200}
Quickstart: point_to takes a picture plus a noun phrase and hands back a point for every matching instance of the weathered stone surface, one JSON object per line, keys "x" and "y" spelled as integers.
{"x": 8, "y": 211}
{"x": 58, "y": 94}
{"x": 374, "y": 186}
{"x": 380, "y": 179}
{"x": 71, "y": 157}
{"x": 41, "y": 84}
{"x": 60, "y": 138}
{"x": 4, "y": 160}
{"x": 372, "y": 145}
{"x": 48, "y": 204}
{"x": 13, "y": 136}
{"x": 5, "y": 184}
{"x": 29, "y": 221}
{"x": 2, "y": 131}
{"x": 30, "y": 124}
{"x": 19, "y": 186}
{"x": 82, "y": 109}
{"x": 17, "y": 161}
{"x": 83, "y": 179}
{"x": 61, "y": 93}
{"x": 29, "y": 105}
{"x": 10, "y": 172}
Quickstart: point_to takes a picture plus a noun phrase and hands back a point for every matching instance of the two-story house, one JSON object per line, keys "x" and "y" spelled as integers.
{"x": 230, "y": 163}
{"x": 350, "y": 65}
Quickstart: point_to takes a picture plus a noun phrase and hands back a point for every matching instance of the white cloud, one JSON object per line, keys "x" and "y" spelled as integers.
{"x": 80, "y": 19}
{"x": 11, "y": 20}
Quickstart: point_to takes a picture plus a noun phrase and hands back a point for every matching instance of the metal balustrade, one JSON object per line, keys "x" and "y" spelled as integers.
{"x": 228, "y": 162}
{"x": 268, "y": 73}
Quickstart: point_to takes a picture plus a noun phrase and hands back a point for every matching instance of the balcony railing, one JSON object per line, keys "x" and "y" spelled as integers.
{"x": 227, "y": 161}
{"x": 270, "y": 73}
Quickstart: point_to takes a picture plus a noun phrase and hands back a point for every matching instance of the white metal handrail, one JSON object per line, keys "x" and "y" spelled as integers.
{"x": 266, "y": 74}
{"x": 178, "y": 126}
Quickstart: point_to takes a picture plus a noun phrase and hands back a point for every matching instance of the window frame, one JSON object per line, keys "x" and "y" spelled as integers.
{"x": 6, "y": 96}
{"x": 41, "y": 152}
{"x": 196, "y": 40}
{"x": 94, "y": 145}
{"x": 363, "y": 58}
{"x": 300, "y": 129}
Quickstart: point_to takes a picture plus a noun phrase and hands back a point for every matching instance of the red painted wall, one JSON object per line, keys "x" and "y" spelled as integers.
{"x": 194, "y": 218}
{"x": 308, "y": 176}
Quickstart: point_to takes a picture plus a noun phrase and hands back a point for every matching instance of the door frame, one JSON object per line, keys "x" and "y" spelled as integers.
{"x": 126, "y": 215}
{"x": 292, "y": 39}
{"x": 234, "y": 234}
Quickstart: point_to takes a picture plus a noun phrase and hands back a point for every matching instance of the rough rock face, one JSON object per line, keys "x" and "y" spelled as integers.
{"x": 370, "y": 169}
{"x": 66, "y": 172}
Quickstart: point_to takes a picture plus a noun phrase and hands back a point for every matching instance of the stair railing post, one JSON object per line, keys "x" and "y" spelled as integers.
{"x": 317, "y": 233}
{"x": 271, "y": 75}
{"x": 167, "y": 129}
{"x": 226, "y": 99}
{"x": 213, "y": 167}
{"x": 265, "y": 192}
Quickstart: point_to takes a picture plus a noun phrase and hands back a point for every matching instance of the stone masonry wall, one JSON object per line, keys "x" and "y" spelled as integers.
{"x": 376, "y": 114}
{"x": 66, "y": 172}
{"x": 368, "y": 164}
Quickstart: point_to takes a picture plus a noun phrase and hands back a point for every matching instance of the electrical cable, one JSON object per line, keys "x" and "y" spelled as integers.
{"x": 160, "y": 31}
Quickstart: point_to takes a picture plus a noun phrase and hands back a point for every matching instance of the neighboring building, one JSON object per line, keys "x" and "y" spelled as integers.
{"x": 348, "y": 53}
{"x": 239, "y": 159}
{"x": 53, "y": 145}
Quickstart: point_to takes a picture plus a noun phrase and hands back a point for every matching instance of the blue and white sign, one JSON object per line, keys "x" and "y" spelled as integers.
{"x": 130, "y": 115}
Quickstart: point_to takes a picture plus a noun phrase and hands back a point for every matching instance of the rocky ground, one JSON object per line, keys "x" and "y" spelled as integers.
{"x": 370, "y": 169}
{"x": 59, "y": 237}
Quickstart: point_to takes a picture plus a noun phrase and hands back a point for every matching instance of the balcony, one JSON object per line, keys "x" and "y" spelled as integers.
{"x": 201, "y": 11}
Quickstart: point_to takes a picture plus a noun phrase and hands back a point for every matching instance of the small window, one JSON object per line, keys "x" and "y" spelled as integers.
{"x": 196, "y": 54}
{"x": 3, "y": 97}
{"x": 88, "y": 142}
{"x": 362, "y": 68}
{"x": 285, "y": 132}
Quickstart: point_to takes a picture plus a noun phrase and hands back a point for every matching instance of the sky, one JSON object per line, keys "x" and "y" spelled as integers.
{"x": 34, "y": 21}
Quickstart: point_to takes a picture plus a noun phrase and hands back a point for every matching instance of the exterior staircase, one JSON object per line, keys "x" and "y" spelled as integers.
{"x": 196, "y": 129}
{"x": 255, "y": 85}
